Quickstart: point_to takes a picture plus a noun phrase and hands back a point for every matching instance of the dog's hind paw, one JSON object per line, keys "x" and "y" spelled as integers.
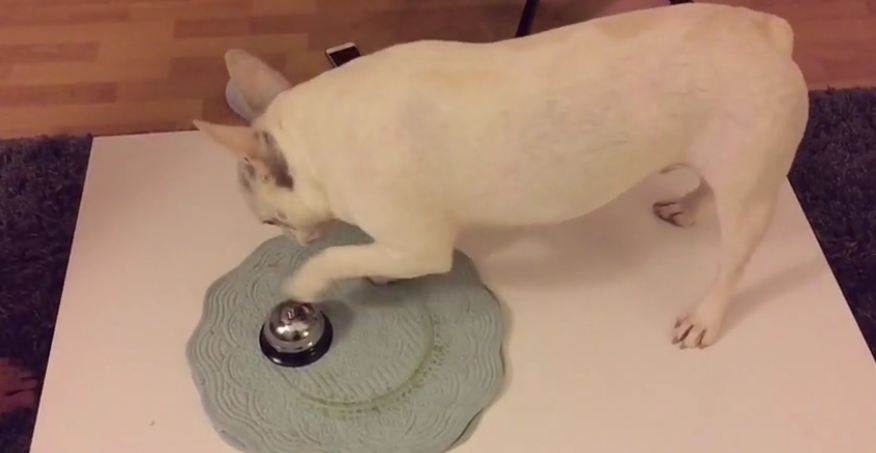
{"x": 696, "y": 330}
{"x": 675, "y": 212}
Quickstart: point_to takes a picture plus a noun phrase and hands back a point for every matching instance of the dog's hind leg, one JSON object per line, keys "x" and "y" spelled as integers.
{"x": 745, "y": 175}
{"x": 743, "y": 217}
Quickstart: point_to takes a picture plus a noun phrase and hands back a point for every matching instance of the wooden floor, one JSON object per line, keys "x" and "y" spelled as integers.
{"x": 122, "y": 66}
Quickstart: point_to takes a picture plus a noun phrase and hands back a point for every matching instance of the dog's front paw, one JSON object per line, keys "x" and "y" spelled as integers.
{"x": 697, "y": 329}
{"x": 305, "y": 290}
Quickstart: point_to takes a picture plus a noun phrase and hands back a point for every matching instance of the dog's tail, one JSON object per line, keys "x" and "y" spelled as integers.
{"x": 779, "y": 33}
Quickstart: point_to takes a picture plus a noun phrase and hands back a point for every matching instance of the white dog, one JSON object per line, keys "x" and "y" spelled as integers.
{"x": 418, "y": 141}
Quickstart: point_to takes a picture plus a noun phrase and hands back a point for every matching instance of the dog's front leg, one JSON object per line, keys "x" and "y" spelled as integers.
{"x": 380, "y": 281}
{"x": 316, "y": 276}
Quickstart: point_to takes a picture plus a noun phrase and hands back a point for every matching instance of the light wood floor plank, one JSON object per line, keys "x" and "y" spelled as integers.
{"x": 124, "y": 66}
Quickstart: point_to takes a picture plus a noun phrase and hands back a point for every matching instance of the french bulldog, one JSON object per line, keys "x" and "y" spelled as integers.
{"x": 419, "y": 141}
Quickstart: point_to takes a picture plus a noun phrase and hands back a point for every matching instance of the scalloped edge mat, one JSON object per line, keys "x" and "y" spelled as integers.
{"x": 259, "y": 277}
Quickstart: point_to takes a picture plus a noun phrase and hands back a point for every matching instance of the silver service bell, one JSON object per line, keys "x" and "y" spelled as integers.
{"x": 295, "y": 334}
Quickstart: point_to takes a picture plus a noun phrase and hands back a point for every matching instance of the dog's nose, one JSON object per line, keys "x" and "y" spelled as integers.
{"x": 300, "y": 237}
{"x": 315, "y": 236}
{"x": 304, "y": 238}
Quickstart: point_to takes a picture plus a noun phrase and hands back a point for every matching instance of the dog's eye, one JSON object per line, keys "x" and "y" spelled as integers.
{"x": 270, "y": 222}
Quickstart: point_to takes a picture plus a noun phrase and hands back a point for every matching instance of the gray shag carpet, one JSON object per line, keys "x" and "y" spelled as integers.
{"x": 40, "y": 186}
{"x": 834, "y": 177}
{"x": 41, "y": 180}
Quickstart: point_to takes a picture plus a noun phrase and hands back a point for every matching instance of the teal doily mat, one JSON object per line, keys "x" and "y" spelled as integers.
{"x": 411, "y": 367}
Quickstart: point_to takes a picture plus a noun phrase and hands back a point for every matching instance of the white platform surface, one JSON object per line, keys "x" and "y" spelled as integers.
{"x": 590, "y": 306}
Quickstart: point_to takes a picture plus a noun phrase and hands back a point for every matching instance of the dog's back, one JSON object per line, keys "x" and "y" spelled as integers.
{"x": 547, "y": 127}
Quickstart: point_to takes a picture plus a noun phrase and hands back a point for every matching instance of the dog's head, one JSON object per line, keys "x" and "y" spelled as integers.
{"x": 275, "y": 193}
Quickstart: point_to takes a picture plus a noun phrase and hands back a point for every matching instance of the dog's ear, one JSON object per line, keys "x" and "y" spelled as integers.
{"x": 242, "y": 141}
{"x": 257, "y": 82}
{"x": 258, "y": 149}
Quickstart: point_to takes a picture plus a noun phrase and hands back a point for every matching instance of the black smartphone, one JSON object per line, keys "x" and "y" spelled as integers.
{"x": 342, "y": 54}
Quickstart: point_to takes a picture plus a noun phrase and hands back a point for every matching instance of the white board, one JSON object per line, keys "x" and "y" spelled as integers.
{"x": 590, "y": 304}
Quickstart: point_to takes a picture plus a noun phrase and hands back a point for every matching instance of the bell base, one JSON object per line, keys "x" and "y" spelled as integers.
{"x": 298, "y": 359}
